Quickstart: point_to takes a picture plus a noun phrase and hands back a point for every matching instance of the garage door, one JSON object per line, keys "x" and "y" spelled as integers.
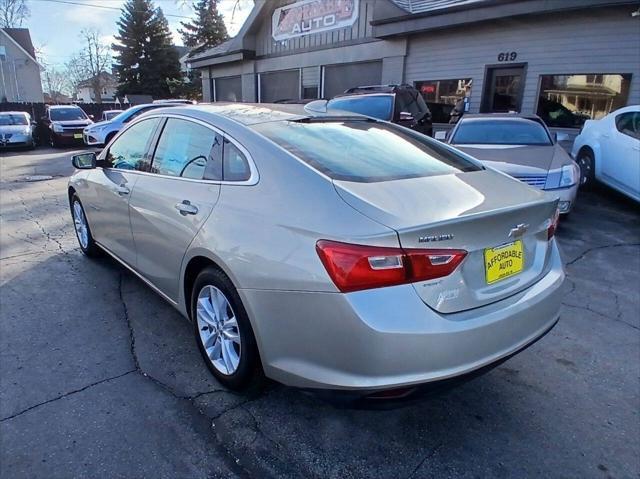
{"x": 277, "y": 86}
{"x": 228, "y": 88}
{"x": 338, "y": 78}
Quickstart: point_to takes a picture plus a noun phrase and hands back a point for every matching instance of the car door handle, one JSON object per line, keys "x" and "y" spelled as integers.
{"x": 122, "y": 190}
{"x": 186, "y": 208}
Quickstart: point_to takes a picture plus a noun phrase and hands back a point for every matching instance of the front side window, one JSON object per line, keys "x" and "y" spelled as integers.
{"x": 376, "y": 106}
{"x": 629, "y": 124}
{"x": 184, "y": 149}
{"x": 67, "y": 114}
{"x": 514, "y": 131}
{"x": 567, "y": 101}
{"x": 129, "y": 150}
{"x": 364, "y": 150}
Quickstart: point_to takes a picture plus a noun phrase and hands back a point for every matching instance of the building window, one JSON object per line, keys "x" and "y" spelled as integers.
{"x": 567, "y": 101}
{"x": 442, "y": 96}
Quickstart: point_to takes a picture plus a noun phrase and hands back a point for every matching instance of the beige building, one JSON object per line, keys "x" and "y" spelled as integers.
{"x": 19, "y": 69}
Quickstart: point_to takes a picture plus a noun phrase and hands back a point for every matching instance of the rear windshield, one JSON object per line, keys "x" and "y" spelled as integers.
{"x": 364, "y": 151}
{"x": 519, "y": 131}
{"x": 67, "y": 114}
{"x": 13, "y": 119}
{"x": 380, "y": 107}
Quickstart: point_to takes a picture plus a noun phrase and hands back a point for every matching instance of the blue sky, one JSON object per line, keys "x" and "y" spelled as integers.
{"x": 55, "y": 27}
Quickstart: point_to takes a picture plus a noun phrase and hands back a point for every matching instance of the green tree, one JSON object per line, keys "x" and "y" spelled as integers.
{"x": 207, "y": 29}
{"x": 146, "y": 62}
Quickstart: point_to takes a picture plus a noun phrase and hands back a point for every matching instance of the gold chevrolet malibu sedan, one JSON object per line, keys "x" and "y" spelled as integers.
{"x": 324, "y": 250}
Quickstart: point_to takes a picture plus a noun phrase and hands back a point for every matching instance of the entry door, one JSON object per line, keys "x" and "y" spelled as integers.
{"x": 112, "y": 186}
{"x": 503, "y": 90}
{"x": 169, "y": 206}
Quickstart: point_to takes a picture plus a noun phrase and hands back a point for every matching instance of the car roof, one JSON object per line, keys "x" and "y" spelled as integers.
{"x": 60, "y": 107}
{"x": 13, "y": 113}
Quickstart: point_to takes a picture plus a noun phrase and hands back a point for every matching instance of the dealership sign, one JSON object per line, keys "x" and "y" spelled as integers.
{"x": 313, "y": 16}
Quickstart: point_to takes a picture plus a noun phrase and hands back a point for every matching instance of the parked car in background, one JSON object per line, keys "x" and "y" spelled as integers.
{"x": 63, "y": 125}
{"x": 608, "y": 150}
{"x": 401, "y": 104}
{"x": 521, "y": 146}
{"x": 418, "y": 264}
{"x": 109, "y": 114}
{"x": 16, "y": 130}
{"x": 101, "y": 133}
{"x": 556, "y": 115}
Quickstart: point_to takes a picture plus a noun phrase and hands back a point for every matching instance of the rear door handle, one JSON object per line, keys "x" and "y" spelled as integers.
{"x": 186, "y": 208}
{"x": 123, "y": 190}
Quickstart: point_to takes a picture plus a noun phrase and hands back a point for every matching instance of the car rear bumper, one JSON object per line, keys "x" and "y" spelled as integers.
{"x": 388, "y": 338}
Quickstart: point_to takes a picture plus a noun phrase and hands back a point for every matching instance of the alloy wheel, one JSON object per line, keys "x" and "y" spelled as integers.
{"x": 80, "y": 223}
{"x": 218, "y": 330}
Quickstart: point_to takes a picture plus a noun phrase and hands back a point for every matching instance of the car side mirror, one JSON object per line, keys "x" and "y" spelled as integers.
{"x": 440, "y": 135}
{"x": 84, "y": 161}
{"x": 406, "y": 116}
{"x": 559, "y": 136}
{"x": 91, "y": 117}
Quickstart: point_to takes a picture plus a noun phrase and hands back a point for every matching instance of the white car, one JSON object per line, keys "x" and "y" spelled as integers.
{"x": 608, "y": 150}
{"x": 101, "y": 133}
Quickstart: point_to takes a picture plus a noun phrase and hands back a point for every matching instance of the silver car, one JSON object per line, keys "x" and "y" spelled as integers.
{"x": 332, "y": 252}
{"x": 16, "y": 130}
{"x": 523, "y": 147}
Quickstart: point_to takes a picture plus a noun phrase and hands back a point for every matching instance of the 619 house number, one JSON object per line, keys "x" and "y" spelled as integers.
{"x": 507, "y": 56}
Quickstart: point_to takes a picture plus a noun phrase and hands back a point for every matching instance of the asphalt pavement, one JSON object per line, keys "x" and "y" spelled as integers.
{"x": 99, "y": 377}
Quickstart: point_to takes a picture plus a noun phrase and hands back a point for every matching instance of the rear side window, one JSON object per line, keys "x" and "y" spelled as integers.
{"x": 376, "y": 106}
{"x": 129, "y": 150}
{"x": 183, "y": 150}
{"x": 629, "y": 124}
{"x": 235, "y": 165}
{"x": 365, "y": 150}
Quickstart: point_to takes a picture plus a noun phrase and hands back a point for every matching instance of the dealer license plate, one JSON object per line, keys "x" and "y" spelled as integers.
{"x": 503, "y": 262}
{"x": 77, "y": 136}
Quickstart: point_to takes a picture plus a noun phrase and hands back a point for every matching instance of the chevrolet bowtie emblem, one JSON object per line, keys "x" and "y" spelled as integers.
{"x": 519, "y": 230}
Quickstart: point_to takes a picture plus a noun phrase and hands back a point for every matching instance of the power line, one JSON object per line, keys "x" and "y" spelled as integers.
{"x": 104, "y": 7}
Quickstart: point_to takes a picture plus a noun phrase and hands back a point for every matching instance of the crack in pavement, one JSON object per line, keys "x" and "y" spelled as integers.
{"x": 67, "y": 394}
{"x": 424, "y": 459}
{"x": 595, "y": 248}
{"x": 598, "y": 313}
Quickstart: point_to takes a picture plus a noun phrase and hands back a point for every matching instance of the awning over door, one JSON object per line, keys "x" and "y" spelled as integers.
{"x": 278, "y": 86}
{"x": 338, "y": 78}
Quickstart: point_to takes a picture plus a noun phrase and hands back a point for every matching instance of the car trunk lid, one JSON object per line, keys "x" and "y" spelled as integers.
{"x": 474, "y": 211}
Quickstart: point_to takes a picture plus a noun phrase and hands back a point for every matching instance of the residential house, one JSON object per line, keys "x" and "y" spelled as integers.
{"x": 19, "y": 70}
{"x": 108, "y": 84}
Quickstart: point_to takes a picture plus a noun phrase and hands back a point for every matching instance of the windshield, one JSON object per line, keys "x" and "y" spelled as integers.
{"x": 364, "y": 150}
{"x": 13, "y": 119}
{"x": 507, "y": 131}
{"x": 376, "y": 106}
{"x": 67, "y": 114}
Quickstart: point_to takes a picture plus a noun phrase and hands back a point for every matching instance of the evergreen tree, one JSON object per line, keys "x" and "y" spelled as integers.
{"x": 146, "y": 62}
{"x": 207, "y": 29}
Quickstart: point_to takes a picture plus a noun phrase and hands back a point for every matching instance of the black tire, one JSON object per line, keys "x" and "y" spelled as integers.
{"x": 91, "y": 249}
{"x": 248, "y": 375}
{"x": 53, "y": 143}
{"x": 587, "y": 164}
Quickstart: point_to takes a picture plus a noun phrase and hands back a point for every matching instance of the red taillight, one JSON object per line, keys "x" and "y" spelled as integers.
{"x": 553, "y": 225}
{"x": 355, "y": 267}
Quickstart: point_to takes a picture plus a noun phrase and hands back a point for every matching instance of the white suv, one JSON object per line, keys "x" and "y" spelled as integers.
{"x": 99, "y": 134}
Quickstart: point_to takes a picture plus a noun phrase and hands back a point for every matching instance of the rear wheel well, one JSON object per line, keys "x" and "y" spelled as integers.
{"x": 71, "y": 192}
{"x": 195, "y": 265}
